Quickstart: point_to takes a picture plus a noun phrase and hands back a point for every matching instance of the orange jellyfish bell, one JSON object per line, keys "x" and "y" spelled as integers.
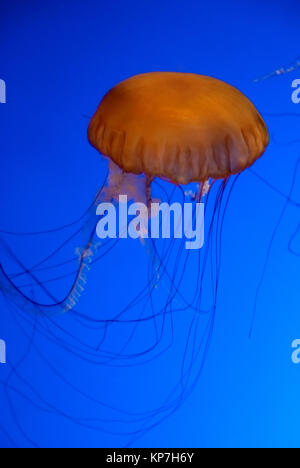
{"x": 179, "y": 126}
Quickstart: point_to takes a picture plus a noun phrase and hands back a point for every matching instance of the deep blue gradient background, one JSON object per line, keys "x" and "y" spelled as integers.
{"x": 58, "y": 59}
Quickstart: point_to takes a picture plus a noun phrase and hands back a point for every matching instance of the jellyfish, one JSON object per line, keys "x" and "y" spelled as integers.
{"x": 185, "y": 137}
{"x": 177, "y": 126}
